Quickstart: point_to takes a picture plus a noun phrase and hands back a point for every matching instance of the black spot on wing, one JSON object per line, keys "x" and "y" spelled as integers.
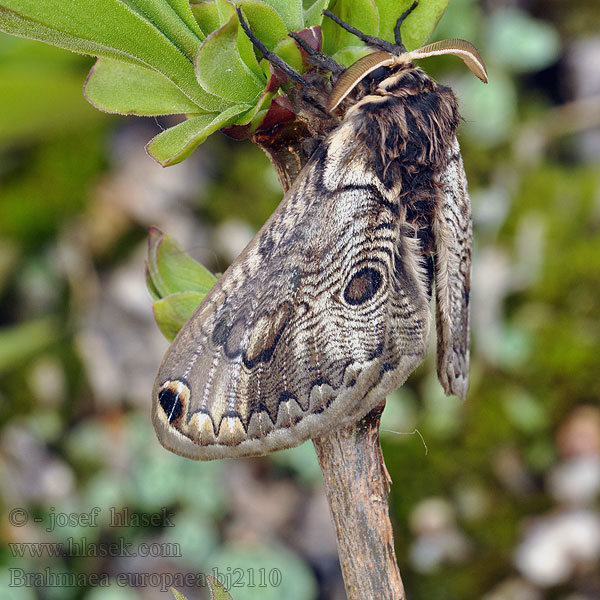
{"x": 266, "y": 245}
{"x": 319, "y": 381}
{"x": 260, "y": 407}
{"x": 363, "y": 286}
{"x": 288, "y": 397}
{"x": 377, "y": 351}
{"x": 295, "y": 279}
{"x": 387, "y": 367}
{"x": 168, "y": 398}
{"x": 285, "y": 396}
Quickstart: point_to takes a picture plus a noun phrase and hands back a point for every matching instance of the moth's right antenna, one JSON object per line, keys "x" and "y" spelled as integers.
{"x": 460, "y": 48}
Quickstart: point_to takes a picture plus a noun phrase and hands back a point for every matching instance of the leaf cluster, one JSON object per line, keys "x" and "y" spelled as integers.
{"x": 174, "y": 57}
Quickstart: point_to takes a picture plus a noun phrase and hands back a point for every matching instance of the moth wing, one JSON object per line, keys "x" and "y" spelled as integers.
{"x": 322, "y": 314}
{"x": 453, "y": 235}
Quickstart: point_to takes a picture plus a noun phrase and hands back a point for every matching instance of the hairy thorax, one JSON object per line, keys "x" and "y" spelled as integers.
{"x": 404, "y": 124}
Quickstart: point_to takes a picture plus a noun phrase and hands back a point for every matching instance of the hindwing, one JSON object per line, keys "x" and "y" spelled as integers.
{"x": 453, "y": 235}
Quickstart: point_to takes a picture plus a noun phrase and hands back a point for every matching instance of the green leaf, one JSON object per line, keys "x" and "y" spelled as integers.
{"x": 419, "y": 25}
{"x": 89, "y": 27}
{"x": 264, "y": 21}
{"x": 168, "y": 19}
{"x": 175, "y": 281}
{"x": 225, "y": 9}
{"x": 256, "y": 115}
{"x": 220, "y": 68}
{"x": 361, "y": 14}
{"x": 184, "y": 11}
{"x": 172, "y": 270}
{"x": 288, "y": 50}
{"x": 206, "y": 15}
{"x": 178, "y": 595}
{"x": 290, "y": 12}
{"x": 178, "y": 142}
{"x": 152, "y": 289}
{"x": 350, "y": 54}
{"x": 217, "y": 590}
{"x": 172, "y": 312}
{"x": 314, "y": 14}
{"x": 246, "y": 49}
{"x": 128, "y": 89}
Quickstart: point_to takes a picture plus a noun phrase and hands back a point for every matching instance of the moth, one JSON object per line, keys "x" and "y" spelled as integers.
{"x": 327, "y": 309}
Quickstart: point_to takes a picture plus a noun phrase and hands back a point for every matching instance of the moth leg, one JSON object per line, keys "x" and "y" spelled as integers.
{"x": 316, "y": 58}
{"x": 273, "y": 58}
{"x": 370, "y": 40}
{"x": 401, "y": 19}
{"x": 394, "y": 49}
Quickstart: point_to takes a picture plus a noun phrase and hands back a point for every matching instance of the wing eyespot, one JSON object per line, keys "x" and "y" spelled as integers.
{"x": 363, "y": 286}
{"x": 173, "y": 397}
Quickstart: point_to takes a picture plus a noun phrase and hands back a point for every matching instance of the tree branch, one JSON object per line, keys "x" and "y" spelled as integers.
{"x": 357, "y": 487}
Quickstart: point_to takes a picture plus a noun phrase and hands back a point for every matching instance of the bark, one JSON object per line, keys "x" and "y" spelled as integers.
{"x": 357, "y": 487}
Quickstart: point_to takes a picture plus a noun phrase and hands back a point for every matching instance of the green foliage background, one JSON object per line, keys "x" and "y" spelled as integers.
{"x": 66, "y": 235}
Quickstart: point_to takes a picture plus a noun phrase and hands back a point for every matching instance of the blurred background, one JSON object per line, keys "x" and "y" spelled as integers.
{"x": 496, "y": 498}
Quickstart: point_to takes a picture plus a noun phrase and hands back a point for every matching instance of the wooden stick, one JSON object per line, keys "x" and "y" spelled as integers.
{"x": 357, "y": 487}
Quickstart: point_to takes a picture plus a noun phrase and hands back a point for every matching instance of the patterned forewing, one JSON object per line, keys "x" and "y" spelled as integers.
{"x": 322, "y": 314}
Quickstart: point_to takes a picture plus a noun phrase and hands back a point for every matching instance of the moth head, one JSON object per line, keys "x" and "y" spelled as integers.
{"x": 356, "y": 72}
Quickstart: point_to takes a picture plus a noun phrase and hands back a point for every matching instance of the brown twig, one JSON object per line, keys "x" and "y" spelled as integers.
{"x": 357, "y": 486}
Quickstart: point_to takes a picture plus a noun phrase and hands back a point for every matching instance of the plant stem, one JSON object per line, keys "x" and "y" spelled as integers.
{"x": 357, "y": 486}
